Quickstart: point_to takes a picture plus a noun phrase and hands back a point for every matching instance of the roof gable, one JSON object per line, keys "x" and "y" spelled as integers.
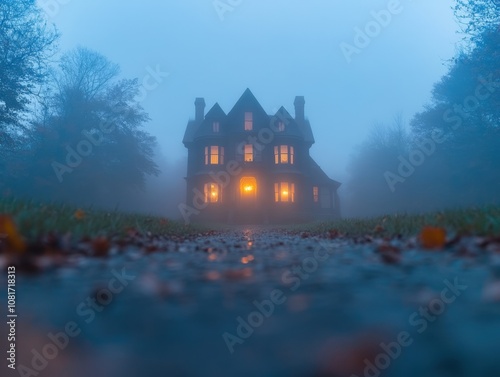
{"x": 247, "y": 103}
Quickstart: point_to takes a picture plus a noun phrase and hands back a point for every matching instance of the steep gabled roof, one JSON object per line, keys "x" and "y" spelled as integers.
{"x": 305, "y": 128}
{"x": 215, "y": 113}
{"x": 247, "y": 102}
{"x": 196, "y": 129}
{"x": 205, "y": 128}
{"x": 319, "y": 176}
{"x": 191, "y": 129}
{"x": 291, "y": 126}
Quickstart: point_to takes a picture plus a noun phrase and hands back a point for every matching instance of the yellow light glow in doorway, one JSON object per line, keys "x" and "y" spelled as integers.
{"x": 248, "y": 188}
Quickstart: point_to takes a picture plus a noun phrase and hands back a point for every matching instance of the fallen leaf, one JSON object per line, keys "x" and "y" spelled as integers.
{"x": 79, "y": 214}
{"x": 433, "y": 237}
{"x": 9, "y": 232}
{"x": 100, "y": 246}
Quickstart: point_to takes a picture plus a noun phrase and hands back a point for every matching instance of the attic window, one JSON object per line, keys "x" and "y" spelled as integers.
{"x": 316, "y": 194}
{"x": 248, "y": 121}
{"x": 284, "y": 192}
{"x": 214, "y": 155}
{"x": 281, "y": 127}
{"x": 216, "y": 127}
{"x": 284, "y": 154}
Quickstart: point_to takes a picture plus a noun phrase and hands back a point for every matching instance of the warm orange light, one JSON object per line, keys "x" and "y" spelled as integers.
{"x": 248, "y": 187}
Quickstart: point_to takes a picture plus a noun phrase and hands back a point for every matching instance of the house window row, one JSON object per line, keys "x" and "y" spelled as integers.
{"x": 283, "y": 154}
{"x": 248, "y": 125}
{"x": 284, "y": 192}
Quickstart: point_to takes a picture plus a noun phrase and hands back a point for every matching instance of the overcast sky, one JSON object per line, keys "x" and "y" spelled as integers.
{"x": 278, "y": 49}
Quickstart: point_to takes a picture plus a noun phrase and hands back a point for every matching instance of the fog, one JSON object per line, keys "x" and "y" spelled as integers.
{"x": 368, "y": 71}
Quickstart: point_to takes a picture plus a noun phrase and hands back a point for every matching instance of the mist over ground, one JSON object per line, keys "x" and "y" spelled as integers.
{"x": 403, "y": 97}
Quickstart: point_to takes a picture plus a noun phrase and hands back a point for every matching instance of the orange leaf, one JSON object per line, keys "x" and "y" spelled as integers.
{"x": 101, "y": 246}
{"x": 433, "y": 237}
{"x": 79, "y": 214}
{"x": 9, "y": 231}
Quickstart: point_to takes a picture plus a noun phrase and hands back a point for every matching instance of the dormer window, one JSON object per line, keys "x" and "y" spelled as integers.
{"x": 214, "y": 155}
{"x": 284, "y": 154}
{"x": 281, "y": 127}
{"x": 216, "y": 127}
{"x": 248, "y": 121}
{"x": 248, "y": 153}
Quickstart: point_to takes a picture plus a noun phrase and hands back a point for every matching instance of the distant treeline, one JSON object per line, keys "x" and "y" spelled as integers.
{"x": 450, "y": 154}
{"x": 71, "y": 129}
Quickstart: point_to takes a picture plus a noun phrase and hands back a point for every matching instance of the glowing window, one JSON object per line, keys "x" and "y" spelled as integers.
{"x": 214, "y": 155}
{"x": 283, "y": 154}
{"x": 248, "y": 121}
{"x": 248, "y": 188}
{"x": 284, "y": 192}
{"x": 216, "y": 127}
{"x": 316, "y": 194}
{"x": 212, "y": 193}
{"x": 248, "y": 153}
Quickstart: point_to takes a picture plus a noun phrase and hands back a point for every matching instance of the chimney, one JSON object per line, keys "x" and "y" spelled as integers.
{"x": 299, "y": 108}
{"x": 200, "y": 109}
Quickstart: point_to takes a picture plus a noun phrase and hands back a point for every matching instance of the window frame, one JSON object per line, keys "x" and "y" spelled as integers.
{"x": 214, "y": 155}
{"x": 209, "y": 189}
{"x": 248, "y": 125}
{"x": 216, "y": 127}
{"x": 284, "y": 154}
{"x": 279, "y": 189}
{"x": 248, "y": 151}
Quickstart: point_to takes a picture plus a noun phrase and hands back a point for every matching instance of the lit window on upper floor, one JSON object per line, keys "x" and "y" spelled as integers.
{"x": 284, "y": 154}
{"x": 248, "y": 121}
{"x": 216, "y": 127}
{"x": 214, "y": 155}
{"x": 248, "y": 153}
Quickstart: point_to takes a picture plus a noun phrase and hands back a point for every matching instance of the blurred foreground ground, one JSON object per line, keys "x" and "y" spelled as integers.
{"x": 311, "y": 307}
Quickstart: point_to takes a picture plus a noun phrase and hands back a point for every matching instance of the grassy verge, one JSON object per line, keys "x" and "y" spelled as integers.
{"x": 34, "y": 219}
{"x": 473, "y": 221}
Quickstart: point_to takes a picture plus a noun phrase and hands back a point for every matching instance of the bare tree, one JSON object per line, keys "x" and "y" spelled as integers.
{"x": 26, "y": 45}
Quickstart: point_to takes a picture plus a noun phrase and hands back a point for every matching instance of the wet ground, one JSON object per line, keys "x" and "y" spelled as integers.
{"x": 254, "y": 302}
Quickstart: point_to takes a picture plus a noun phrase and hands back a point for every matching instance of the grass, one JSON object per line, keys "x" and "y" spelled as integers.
{"x": 35, "y": 219}
{"x": 472, "y": 221}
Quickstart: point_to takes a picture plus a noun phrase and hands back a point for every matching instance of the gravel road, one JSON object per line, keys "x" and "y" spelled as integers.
{"x": 257, "y": 302}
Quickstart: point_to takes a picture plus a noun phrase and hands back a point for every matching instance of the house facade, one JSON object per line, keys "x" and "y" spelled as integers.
{"x": 248, "y": 166}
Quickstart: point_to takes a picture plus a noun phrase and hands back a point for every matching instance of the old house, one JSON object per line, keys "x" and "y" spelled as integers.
{"x": 248, "y": 166}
